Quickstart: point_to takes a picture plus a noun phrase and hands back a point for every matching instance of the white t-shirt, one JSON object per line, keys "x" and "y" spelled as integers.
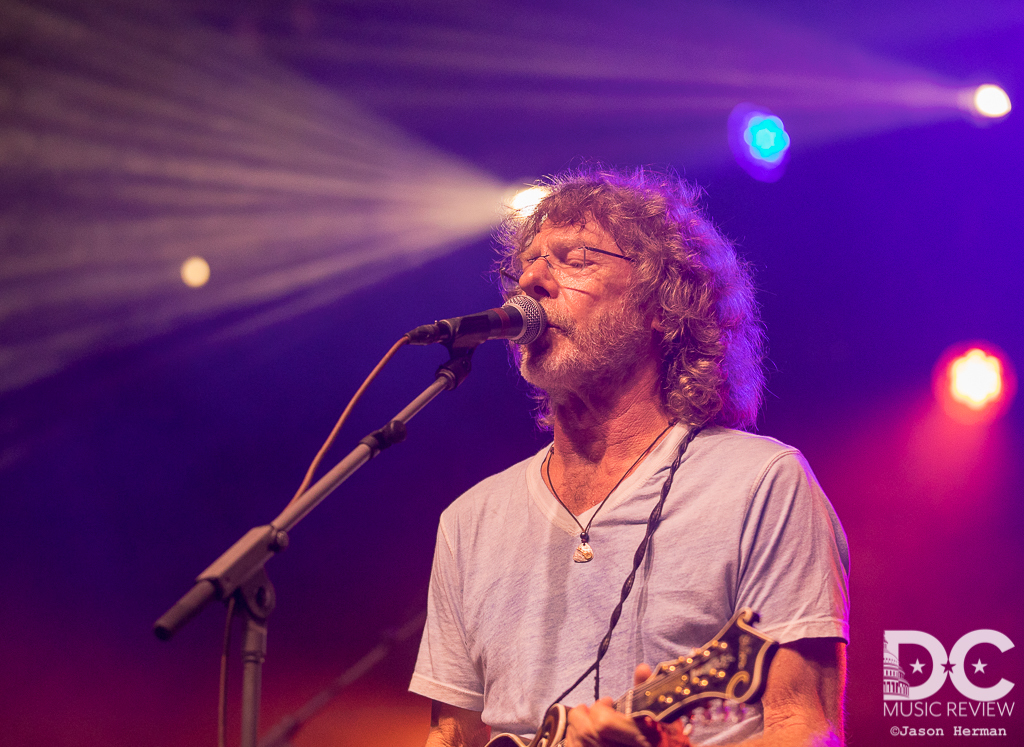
{"x": 512, "y": 620}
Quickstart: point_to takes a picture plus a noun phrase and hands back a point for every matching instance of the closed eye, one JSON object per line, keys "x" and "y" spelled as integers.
{"x": 525, "y": 262}
{"x": 577, "y": 259}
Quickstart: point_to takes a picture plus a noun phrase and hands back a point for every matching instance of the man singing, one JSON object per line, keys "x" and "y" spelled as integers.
{"x": 650, "y": 365}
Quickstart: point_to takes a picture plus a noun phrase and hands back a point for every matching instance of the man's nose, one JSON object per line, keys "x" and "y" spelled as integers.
{"x": 537, "y": 280}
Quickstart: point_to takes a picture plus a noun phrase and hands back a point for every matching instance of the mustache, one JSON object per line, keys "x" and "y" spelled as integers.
{"x": 560, "y": 319}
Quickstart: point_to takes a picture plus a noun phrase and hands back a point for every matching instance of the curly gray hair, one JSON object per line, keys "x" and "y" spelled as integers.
{"x": 685, "y": 272}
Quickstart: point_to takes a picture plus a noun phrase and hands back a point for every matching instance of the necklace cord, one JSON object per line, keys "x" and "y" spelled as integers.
{"x": 585, "y": 533}
{"x": 638, "y": 558}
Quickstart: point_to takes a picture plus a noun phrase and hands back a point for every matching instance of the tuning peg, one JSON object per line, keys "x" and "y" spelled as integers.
{"x": 734, "y": 711}
{"x": 717, "y": 710}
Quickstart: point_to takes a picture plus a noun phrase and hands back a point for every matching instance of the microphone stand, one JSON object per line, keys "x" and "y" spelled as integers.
{"x": 285, "y": 729}
{"x": 240, "y": 571}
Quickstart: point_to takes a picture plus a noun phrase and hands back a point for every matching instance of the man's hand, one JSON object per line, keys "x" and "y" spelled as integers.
{"x": 600, "y": 725}
{"x": 802, "y": 705}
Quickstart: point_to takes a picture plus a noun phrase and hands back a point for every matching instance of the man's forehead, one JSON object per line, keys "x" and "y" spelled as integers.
{"x": 589, "y": 234}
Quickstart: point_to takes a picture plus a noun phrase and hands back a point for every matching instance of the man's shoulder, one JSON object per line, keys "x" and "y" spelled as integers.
{"x": 498, "y": 489}
{"x": 743, "y": 445}
{"x": 743, "y": 460}
{"x": 484, "y": 514}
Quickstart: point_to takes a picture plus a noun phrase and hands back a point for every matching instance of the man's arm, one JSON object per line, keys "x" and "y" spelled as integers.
{"x": 803, "y": 703}
{"x": 455, "y": 727}
{"x": 803, "y": 700}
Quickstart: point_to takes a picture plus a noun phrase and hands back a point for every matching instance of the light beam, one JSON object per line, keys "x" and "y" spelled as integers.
{"x": 131, "y": 141}
{"x": 634, "y": 64}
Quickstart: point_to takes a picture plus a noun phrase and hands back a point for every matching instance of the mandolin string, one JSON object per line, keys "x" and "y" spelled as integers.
{"x": 638, "y": 558}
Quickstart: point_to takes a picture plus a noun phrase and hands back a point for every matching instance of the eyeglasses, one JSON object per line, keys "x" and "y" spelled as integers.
{"x": 570, "y": 263}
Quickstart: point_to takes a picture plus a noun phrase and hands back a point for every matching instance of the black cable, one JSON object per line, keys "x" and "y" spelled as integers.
{"x": 638, "y": 557}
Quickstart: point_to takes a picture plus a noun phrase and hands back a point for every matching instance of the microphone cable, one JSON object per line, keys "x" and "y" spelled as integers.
{"x": 403, "y": 340}
{"x": 222, "y": 699}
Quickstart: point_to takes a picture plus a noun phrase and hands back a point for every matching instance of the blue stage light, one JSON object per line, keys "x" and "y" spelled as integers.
{"x": 766, "y": 138}
{"x": 759, "y": 142}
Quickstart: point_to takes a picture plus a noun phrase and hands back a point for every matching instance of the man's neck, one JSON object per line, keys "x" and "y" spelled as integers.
{"x": 598, "y": 437}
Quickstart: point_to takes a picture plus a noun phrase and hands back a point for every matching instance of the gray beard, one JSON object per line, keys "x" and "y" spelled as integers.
{"x": 605, "y": 352}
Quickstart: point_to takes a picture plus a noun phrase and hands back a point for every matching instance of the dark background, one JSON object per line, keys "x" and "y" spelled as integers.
{"x": 132, "y": 464}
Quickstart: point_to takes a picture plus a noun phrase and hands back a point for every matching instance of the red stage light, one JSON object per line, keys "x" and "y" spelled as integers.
{"x": 976, "y": 378}
{"x": 974, "y": 382}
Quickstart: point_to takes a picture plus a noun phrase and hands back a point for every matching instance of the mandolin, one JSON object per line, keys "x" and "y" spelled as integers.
{"x": 723, "y": 675}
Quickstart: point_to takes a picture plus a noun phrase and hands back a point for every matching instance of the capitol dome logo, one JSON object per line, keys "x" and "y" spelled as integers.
{"x": 894, "y": 679}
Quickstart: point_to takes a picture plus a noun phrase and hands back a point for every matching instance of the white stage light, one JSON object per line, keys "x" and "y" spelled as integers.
{"x": 526, "y": 200}
{"x": 195, "y": 271}
{"x": 991, "y": 101}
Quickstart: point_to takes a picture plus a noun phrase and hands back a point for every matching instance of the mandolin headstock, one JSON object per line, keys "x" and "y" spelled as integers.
{"x": 732, "y": 667}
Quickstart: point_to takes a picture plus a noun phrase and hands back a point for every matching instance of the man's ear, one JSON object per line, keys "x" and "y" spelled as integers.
{"x": 650, "y": 311}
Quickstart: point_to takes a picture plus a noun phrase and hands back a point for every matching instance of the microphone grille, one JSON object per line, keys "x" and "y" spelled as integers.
{"x": 534, "y": 318}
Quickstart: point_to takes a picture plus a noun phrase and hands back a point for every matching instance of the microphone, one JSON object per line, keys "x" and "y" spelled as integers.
{"x": 520, "y": 320}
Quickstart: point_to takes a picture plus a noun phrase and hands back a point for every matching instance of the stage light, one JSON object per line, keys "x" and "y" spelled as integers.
{"x": 974, "y": 382}
{"x": 991, "y": 101}
{"x": 766, "y": 138}
{"x": 759, "y": 142}
{"x": 526, "y": 200}
{"x": 975, "y": 378}
{"x": 195, "y": 271}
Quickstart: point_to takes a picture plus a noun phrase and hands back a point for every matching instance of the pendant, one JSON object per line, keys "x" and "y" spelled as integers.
{"x": 583, "y": 554}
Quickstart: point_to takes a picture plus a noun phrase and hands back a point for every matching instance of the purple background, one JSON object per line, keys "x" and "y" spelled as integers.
{"x": 127, "y": 471}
